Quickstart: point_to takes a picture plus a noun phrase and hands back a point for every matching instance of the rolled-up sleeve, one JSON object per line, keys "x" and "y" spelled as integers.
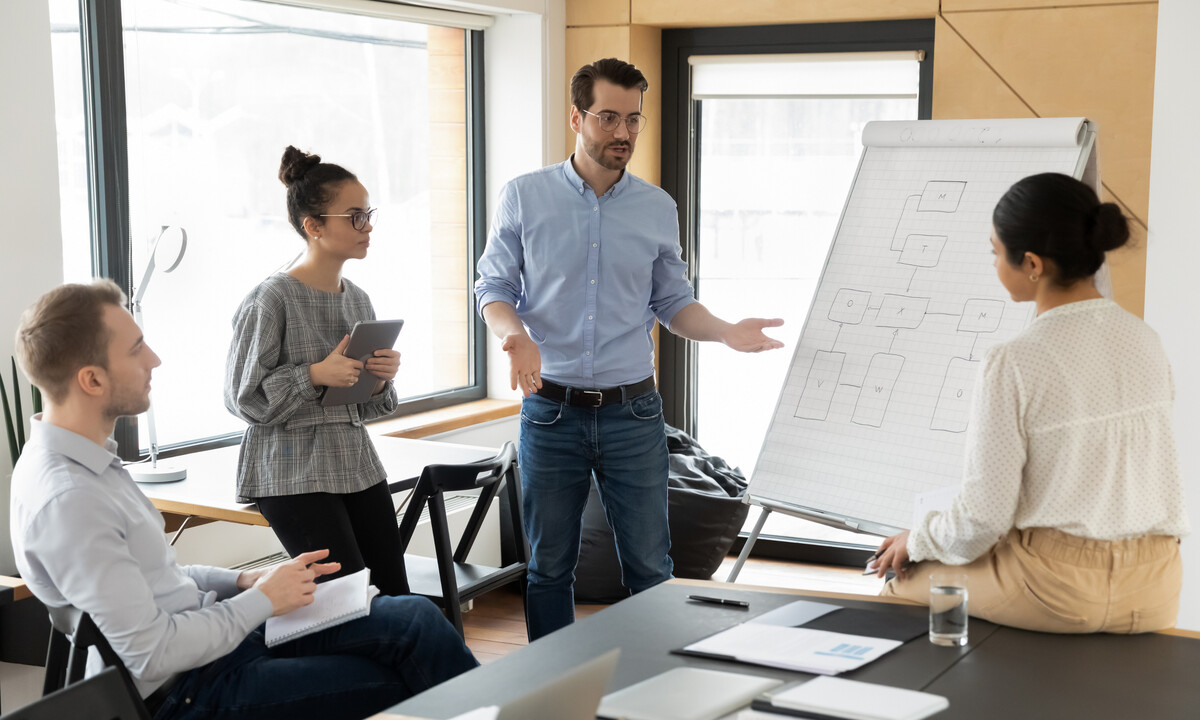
{"x": 257, "y": 388}
{"x": 671, "y": 291}
{"x": 996, "y": 449}
{"x": 501, "y": 263}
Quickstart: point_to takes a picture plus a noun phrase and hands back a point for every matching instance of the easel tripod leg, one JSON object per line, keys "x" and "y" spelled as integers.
{"x": 750, "y": 540}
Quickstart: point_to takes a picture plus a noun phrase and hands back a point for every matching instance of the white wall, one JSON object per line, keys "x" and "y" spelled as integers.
{"x": 30, "y": 245}
{"x": 1173, "y": 254}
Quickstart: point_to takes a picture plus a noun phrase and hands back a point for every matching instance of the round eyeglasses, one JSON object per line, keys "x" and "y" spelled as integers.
{"x": 608, "y": 120}
{"x": 359, "y": 218}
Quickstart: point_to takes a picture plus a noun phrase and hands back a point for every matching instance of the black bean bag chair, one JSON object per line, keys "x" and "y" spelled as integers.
{"x": 704, "y": 499}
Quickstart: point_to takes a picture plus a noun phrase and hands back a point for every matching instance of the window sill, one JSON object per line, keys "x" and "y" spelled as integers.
{"x": 433, "y": 422}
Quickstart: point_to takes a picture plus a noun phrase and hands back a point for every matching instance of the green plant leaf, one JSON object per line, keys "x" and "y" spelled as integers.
{"x": 13, "y": 451}
{"x": 20, "y": 419}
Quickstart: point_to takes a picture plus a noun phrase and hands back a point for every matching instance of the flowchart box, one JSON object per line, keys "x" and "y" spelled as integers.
{"x": 981, "y": 316}
{"x": 941, "y": 196}
{"x": 849, "y": 306}
{"x": 876, "y": 391}
{"x": 954, "y": 401}
{"x": 901, "y": 311}
{"x": 922, "y": 250}
{"x": 820, "y": 385}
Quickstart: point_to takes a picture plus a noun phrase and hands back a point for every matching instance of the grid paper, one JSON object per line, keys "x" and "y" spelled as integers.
{"x": 875, "y": 404}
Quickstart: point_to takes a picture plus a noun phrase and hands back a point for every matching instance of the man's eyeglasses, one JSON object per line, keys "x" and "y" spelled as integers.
{"x": 359, "y": 218}
{"x": 608, "y": 121}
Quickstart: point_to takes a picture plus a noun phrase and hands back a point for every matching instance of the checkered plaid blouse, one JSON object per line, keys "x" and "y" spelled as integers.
{"x": 294, "y": 445}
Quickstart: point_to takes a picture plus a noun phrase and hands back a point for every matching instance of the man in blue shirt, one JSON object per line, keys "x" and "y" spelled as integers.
{"x": 85, "y": 536}
{"x": 581, "y": 258}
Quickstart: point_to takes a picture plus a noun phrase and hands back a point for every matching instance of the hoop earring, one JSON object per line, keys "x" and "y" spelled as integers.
{"x": 1034, "y": 277}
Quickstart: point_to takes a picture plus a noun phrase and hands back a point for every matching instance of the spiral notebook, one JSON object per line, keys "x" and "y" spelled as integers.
{"x": 334, "y": 602}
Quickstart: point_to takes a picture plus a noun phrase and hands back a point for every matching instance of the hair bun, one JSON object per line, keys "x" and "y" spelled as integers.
{"x": 295, "y": 164}
{"x": 1110, "y": 229}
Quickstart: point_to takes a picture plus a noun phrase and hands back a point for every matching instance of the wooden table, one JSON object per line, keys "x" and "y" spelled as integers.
{"x": 209, "y": 492}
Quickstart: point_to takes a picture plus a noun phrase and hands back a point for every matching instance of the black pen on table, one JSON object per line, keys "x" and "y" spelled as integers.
{"x": 720, "y": 601}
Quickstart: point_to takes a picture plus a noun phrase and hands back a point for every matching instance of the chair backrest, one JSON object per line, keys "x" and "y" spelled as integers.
{"x": 485, "y": 476}
{"x": 100, "y": 697}
{"x": 72, "y": 633}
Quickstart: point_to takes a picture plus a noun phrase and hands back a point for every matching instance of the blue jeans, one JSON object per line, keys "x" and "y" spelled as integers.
{"x": 352, "y": 670}
{"x": 624, "y": 447}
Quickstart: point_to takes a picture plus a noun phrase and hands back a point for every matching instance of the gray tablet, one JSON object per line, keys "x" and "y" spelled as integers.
{"x": 366, "y": 337}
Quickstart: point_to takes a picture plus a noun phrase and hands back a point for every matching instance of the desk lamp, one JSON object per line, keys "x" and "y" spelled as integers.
{"x": 171, "y": 242}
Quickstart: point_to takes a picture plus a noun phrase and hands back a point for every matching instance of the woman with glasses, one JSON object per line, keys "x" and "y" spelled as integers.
{"x": 313, "y": 470}
{"x": 1071, "y": 508}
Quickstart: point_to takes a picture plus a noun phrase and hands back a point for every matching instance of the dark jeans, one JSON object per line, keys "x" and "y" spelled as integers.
{"x": 359, "y": 529}
{"x": 624, "y": 447}
{"x": 353, "y": 670}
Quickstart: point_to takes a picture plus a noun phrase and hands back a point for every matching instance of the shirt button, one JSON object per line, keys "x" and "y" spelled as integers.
{"x": 593, "y": 282}
{"x": 594, "y": 244}
{"x": 587, "y": 352}
{"x": 595, "y": 208}
{"x": 589, "y": 317}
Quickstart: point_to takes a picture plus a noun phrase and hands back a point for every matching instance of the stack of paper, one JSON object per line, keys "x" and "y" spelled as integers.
{"x": 811, "y": 651}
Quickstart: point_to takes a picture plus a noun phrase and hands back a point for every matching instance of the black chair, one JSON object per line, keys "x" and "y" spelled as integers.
{"x": 71, "y": 634}
{"x": 101, "y": 697}
{"x": 448, "y": 579}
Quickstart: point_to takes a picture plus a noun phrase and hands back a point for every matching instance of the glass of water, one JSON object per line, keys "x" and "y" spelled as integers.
{"x": 948, "y": 608}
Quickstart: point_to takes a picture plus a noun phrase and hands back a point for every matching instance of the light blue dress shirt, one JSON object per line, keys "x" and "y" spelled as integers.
{"x": 85, "y": 535}
{"x": 586, "y": 275}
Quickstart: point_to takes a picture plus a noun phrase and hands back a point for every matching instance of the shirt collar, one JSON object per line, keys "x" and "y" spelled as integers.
{"x": 580, "y": 185}
{"x": 74, "y": 446}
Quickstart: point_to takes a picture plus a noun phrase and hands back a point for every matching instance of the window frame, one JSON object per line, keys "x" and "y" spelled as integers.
{"x": 102, "y": 37}
{"x": 677, "y": 357}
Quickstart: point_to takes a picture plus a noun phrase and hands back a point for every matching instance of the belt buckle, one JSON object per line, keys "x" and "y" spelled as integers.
{"x": 594, "y": 398}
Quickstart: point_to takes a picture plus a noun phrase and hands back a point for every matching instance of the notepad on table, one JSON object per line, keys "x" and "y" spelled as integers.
{"x": 334, "y": 602}
{"x": 685, "y": 694}
{"x": 828, "y": 697}
{"x": 813, "y": 651}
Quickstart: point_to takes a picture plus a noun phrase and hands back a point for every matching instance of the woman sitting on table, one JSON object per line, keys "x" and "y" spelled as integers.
{"x": 313, "y": 470}
{"x": 1071, "y": 505}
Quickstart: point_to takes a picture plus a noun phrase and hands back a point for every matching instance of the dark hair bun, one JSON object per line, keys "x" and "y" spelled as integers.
{"x": 295, "y": 164}
{"x": 1111, "y": 229}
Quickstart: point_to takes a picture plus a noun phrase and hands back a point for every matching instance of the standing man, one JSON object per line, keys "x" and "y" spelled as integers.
{"x": 192, "y": 638}
{"x": 585, "y": 256}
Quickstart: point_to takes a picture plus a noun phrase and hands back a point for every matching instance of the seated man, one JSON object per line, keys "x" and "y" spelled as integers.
{"x": 84, "y": 535}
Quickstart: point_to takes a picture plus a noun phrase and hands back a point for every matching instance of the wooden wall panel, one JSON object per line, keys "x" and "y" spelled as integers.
{"x": 645, "y": 51}
{"x": 972, "y": 90}
{"x": 597, "y": 12}
{"x": 960, "y": 5}
{"x": 709, "y": 13}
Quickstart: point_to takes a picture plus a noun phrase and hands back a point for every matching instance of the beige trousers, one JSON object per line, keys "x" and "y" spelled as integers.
{"x": 1046, "y": 580}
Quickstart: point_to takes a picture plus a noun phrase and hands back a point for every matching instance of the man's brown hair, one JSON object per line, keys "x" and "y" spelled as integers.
{"x": 617, "y": 72}
{"x": 65, "y": 331}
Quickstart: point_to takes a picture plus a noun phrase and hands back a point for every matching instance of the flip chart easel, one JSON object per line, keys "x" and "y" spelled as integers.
{"x": 875, "y": 404}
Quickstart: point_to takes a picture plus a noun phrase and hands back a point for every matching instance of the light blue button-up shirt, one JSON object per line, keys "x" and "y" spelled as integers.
{"x": 85, "y": 535}
{"x": 586, "y": 275}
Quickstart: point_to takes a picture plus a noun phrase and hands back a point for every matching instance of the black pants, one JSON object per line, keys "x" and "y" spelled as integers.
{"x": 358, "y": 528}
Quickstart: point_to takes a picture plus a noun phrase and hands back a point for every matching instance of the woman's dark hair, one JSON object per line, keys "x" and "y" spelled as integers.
{"x": 311, "y": 185}
{"x": 617, "y": 72}
{"x": 1058, "y": 218}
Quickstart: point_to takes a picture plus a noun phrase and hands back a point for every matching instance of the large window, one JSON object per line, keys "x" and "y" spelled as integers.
{"x": 210, "y": 92}
{"x": 773, "y": 118}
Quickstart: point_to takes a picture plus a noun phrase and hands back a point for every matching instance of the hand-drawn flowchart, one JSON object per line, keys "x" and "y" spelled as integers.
{"x": 920, "y": 246}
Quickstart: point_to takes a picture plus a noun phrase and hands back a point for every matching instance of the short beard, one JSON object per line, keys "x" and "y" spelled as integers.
{"x": 126, "y": 407}
{"x": 596, "y": 152}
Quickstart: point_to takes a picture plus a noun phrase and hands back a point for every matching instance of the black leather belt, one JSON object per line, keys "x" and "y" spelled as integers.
{"x": 581, "y": 397}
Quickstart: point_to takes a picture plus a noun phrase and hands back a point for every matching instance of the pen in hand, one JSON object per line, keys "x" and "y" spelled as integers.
{"x": 720, "y": 601}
